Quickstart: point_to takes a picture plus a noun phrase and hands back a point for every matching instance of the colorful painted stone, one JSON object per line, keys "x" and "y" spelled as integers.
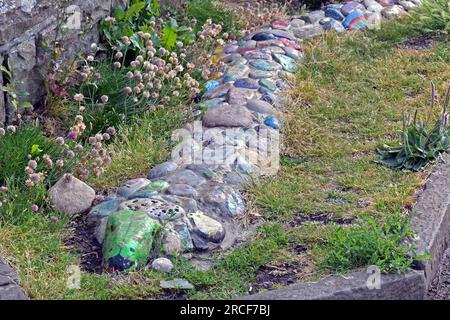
{"x": 129, "y": 240}
{"x": 268, "y": 84}
{"x": 334, "y": 14}
{"x": 243, "y": 51}
{"x": 218, "y": 92}
{"x": 238, "y": 61}
{"x": 239, "y": 96}
{"x": 283, "y": 34}
{"x": 272, "y": 122}
{"x": 264, "y": 65}
{"x": 246, "y": 83}
{"x": 263, "y": 36}
{"x": 358, "y": 23}
{"x": 230, "y": 48}
{"x": 235, "y": 72}
{"x": 352, "y": 16}
{"x": 352, "y": 6}
{"x": 286, "y": 62}
{"x": 211, "y": 85}
{"x": 157, "y": 186}
{"x": 279, "y": 24}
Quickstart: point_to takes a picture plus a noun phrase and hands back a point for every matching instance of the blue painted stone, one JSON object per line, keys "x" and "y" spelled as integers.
{"x": 352, "y": 16}
{"x": 211, "y": 85}
{"x": 272, "y": 122}
{"x": 352, "y": 6}
{"x": 246, "y": 83}
{"x": 269, "y": 97}
{"x": 263, "y": 36}
{"x": 264, "y": 65}
{"x": 334, "y": 14}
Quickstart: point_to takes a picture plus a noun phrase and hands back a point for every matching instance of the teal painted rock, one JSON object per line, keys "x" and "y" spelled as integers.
{"x": 152, "y": 189}
{"x": 264, "y": 65}
{"x": 286, "y": 62}
{"x": 269, "y": 84}
{"x": 154, "y": 208}
{"x": 129, "y": 239}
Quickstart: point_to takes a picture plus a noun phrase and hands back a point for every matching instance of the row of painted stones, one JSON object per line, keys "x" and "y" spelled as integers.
{"x": 191, "y": 207}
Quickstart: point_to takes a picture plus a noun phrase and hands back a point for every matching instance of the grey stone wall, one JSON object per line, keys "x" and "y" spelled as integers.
{"x": 25, "y": 27}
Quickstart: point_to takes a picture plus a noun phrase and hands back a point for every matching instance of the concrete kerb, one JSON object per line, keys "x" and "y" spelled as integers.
{"x": 430, "y": 221}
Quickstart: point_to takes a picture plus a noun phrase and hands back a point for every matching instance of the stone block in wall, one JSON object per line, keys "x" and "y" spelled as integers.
{"x": 2, "y": 99}
{"x": 29, "y": 24}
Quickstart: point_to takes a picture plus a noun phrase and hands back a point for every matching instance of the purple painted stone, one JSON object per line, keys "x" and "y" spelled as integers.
{"x": 230, "y": 49}
{"x": 246, "y": 83}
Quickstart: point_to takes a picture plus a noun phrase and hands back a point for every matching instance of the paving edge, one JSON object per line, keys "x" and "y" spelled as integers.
{"x": 9, "y": 283}
{"x": 430, "y": 221}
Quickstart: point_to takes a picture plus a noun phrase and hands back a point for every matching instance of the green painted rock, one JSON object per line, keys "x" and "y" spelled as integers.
{"x": 286, "y": 62}
{"x": 129, "y": 240}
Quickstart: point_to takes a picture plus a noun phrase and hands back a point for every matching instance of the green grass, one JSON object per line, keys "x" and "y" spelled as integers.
{"x": 140, "y": 146}
{"x": 347, "y": 99}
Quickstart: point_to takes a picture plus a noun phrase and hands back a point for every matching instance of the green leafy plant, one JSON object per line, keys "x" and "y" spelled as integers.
{"x": 420, "y": 143}
{"x": 432, "y": 15}
{"x": 370, "y": 243}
